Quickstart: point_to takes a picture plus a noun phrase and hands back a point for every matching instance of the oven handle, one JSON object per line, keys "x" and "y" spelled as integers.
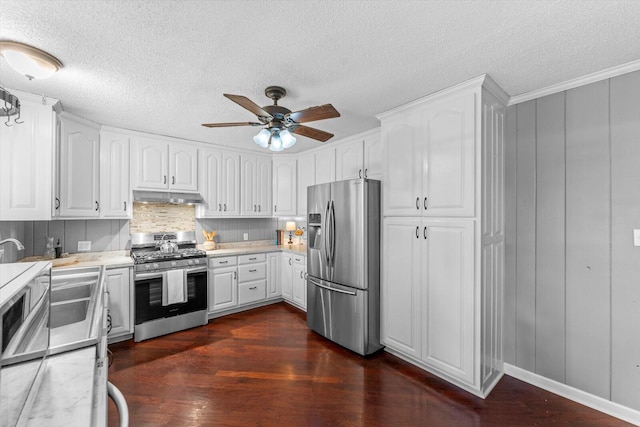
{"x": 156, "y": 274}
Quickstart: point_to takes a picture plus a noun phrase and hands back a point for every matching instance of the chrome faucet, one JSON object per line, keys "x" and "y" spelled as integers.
{"x": 19, "y": 245}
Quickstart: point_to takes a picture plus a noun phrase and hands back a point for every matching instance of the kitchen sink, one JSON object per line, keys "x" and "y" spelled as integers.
{"x": 77, "y": 303}
{"x": 71, "y": 292}
{"x": 65, "y": 313}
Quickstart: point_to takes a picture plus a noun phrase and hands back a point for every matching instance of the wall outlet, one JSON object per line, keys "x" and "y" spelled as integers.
{"x": 84, "y": 245}
{"x": 246, "y": 236}
{"x": 636, "y": 237}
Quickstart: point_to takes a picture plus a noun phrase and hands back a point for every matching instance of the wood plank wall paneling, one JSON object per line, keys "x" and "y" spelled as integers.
{"x": 588, "y": 275}
{"x": 526, "y": 235}
{"x": 585, "y": 270}
{"x": 550, "y": 215}
{"x": 625, "y": 258}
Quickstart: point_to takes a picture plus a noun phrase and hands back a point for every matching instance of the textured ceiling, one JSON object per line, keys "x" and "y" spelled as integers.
{"x": 162, "y": 66}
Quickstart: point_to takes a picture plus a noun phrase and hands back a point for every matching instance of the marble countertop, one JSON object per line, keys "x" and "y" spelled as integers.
{"x": 224, "y": 250}
{"x": 111, "y": 259}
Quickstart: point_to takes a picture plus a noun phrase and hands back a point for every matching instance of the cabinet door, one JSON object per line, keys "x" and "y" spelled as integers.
{"x": 448, "y": 296}
{"x": 119, "y": 295}
{"x": 149, "y": 164}
{"x": 402, "y": 147}
{"x": 26, "y": 189}
{"x": 284, "y": 186}
{"x": 79, "y": 169}
{"x": 273, "y": 282}
{"x": 230, "y": 186}
{"x": 263, "y": 186}
{"x": 211, "y": 182}
{"x": 325, "y": 166}
{"x": 448, "y": 153}
{"x": 286, "y": 277}
{"x": 223, "y": 288}
{"x": 400, "y": 291}
{"x": 183, "y": 167}
{"x": 306, "y": 178}
{"x": 248, "y": 183}
{"x": 349, "y": 157}
{"x": 299, "y": 286}
{"x": 115, "y": 195}
{"x": 373, "y": 157}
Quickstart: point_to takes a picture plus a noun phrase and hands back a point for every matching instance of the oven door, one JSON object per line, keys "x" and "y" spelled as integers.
{"x": 148, "y": 290}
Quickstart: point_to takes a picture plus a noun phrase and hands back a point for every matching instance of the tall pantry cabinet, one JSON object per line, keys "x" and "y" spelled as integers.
{"x": 443, "y": 233}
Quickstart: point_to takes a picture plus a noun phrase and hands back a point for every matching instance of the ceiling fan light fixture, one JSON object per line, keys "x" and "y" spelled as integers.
{"x": 288, "y": 140}
{"x": 262, "y": 138}
{"x": 29, "y": 61}
{"x": 276, "y": 143}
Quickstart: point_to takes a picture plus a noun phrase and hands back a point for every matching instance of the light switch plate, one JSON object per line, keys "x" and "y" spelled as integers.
{"x": 246, "y": 236}
{"x": 636, "y": 237}
{"x": 84, "y": 245}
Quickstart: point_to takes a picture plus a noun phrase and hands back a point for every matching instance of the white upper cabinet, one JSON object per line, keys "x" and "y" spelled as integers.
{"x": 159, "y": 165}
{"x": 255, "y": 181}
{"x": 26, "y": 189}
{"x": 284, "y": 186}
{"x": 318, "y": 167}
{"x": 430, "y": 152}
{"x": 79, "y": 167}
{"x": 360, "y": 157}
{"x": 115, "y": 191}
{"x": 219, "y": 183}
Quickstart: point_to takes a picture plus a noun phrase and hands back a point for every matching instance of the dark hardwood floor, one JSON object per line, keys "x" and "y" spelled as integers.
{"x": 265, "y": 368}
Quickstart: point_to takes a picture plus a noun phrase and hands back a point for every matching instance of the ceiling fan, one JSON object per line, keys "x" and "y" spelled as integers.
{"x": 279, "y": 121}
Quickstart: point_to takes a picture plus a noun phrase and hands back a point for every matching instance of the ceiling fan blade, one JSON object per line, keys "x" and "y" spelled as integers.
{"x": 321, "y": 112}
{"x": 222, "y": 125}
{"x": 245, "y": 102}
{"x": 313, "y": 133}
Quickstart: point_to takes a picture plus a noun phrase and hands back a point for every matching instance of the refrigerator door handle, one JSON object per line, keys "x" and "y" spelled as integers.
{"x": 320, "y": 285}
{"x": 333, "y": 234}
{"x": 325, "y": 237}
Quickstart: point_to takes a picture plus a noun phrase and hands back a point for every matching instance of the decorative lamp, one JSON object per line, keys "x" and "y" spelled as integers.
{"x": 290, "y": 226}
{"x": 29, "y": 61}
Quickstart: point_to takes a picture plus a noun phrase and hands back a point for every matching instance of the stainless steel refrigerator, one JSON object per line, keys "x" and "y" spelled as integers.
{"x": 343, "y": 263}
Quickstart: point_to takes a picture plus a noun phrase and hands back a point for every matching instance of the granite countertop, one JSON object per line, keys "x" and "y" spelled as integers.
{"x": 111, "y": 259}
{"x": 228, "y": 249}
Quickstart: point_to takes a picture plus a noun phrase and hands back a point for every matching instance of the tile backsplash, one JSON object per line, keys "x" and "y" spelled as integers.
{"x": 158, "y": 217}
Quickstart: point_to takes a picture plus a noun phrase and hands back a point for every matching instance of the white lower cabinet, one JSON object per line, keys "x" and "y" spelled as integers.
{"x": 429, "y": 292}
{"x": 243, "y": 280}
{"x": 119, "y": 291}
{"x": 293, "y": 279}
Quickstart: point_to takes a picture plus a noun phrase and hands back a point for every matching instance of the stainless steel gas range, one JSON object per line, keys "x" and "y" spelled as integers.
{"x": 170, "y": 280}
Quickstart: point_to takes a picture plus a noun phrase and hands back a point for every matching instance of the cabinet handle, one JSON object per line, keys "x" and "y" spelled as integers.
{"x": 225, "y": 207}
{"x": 125, "y": 206}
{"x": 253, "y": 288}
{"x": 173, "y": 180}
{"x": 275, "y": 208}
{"x": 417, "y": 232}
{"x": 290, "y": 261}
{"x": 418, "y": 203}
{"x": 164, "y": 179}
{"x": 301, "y": 273}
{"x": 424, "y": 233}
{"x": 365, "y": 172}
{"x": 97, "y": 206}
{"x": 57, "y": 203}
{"x": 259, "y": 208}
{"x": 235, "y": 275}
{"x": 255, "y": 209}
{"x": 252, "y": 259}
{"x": 252, "y": 271}
{"x": 219, "y": 207}
{"x": 223, "y": 262}
{"x": 425, "y": 203}
{"x": 359, "y": 173}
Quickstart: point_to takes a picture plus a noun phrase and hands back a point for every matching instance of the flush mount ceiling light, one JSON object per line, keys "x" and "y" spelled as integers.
{"x": 29, "y": 61}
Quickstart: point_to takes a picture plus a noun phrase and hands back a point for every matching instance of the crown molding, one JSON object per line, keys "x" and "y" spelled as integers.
{"x": 580, "y": 81}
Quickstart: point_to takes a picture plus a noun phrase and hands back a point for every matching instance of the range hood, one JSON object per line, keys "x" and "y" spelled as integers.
{"x": 167, "y": 197}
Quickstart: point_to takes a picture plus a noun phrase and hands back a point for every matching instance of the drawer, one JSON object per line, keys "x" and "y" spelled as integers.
{"x": 248, "y": 259}
{"x": 249, "y": 272}
{"x": 223, "y": 261}
{"x": 252, "y": 291}
{"x": 299, "y": 259}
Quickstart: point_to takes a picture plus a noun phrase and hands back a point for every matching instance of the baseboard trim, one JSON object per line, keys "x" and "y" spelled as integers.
{"x": 603, "y": 405}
